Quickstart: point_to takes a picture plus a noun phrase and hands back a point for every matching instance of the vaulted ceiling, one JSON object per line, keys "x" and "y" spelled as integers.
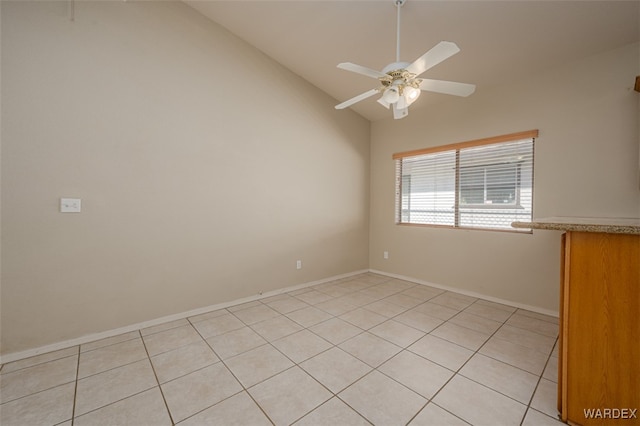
{"x": 499, "y": 40}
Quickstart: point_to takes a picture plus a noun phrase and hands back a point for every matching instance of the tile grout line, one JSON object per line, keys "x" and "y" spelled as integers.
{"x": 539, "y": 376}
{"x": 244, "y": 389}
{"x": 222, "y": 361}
{"x": 333, "y": 394}
{"x": 428, "y": 400}
{"x": 336, "y": 394}
{"x": 75, "y": 389}
{"x": 361, "y": 332}
{"x": 155, "y": 374}
{"x": 457, "y": 372}
{"x": 296, "y": 364}
{"x": 533, "y": 394}
{"x": 405, "y": 309}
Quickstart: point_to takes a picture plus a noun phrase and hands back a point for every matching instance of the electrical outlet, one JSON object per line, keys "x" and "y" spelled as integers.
{"x": 385, "y": 254}
{"x": 298, "y": 264}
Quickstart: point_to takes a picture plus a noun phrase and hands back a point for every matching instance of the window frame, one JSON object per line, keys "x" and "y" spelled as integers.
{"x": 459, "y": 207}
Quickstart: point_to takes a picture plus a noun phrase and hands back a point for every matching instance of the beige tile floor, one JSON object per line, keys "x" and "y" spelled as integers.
{"x": 364, "y": 350}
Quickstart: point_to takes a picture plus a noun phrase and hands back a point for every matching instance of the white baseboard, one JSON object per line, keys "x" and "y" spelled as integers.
{"x": 133, "y": 327}
{"x": 182, "y": 315}
{"x": 531, "y": 308}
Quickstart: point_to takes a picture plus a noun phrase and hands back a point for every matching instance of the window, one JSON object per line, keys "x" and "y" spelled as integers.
{"x": 484, "y": 184}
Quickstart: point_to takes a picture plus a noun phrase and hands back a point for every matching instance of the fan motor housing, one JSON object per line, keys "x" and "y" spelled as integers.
{"x": 395, "y": 66}
{"x": 400, "y": 78}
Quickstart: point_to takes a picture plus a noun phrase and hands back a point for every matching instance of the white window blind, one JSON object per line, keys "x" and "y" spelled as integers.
{"x": 486, "y": 184}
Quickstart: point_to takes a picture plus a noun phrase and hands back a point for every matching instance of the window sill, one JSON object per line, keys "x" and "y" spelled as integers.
{"x": 467, "y": 228}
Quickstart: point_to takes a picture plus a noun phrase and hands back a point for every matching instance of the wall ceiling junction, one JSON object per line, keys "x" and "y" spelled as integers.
{"x": 500, "y": 41}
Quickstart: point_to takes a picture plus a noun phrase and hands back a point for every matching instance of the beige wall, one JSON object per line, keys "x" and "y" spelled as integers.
{"x": 205, "y": 170}
{"x": 586, "y": 164}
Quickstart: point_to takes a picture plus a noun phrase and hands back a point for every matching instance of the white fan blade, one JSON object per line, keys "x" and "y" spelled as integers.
{"x": 399, "y": 113}
{"x": 361, "y": 70}
{"x": 447, "y": 87}
{"x": 358, "y": 98}
{"x": 440, "y": 52}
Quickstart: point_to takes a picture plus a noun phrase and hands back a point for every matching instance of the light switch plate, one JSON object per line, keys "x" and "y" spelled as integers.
{"x": 70, "y": 205}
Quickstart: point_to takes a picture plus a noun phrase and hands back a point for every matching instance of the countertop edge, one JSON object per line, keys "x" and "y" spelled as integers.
{"x": 566, "y": 225}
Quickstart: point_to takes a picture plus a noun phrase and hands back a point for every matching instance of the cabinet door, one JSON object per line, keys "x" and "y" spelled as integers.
{"x": 561, "y": 354}
{"x": 601, "y": 328}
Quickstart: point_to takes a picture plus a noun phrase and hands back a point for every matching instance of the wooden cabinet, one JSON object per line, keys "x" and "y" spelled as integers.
{"x": 599, "y": 353}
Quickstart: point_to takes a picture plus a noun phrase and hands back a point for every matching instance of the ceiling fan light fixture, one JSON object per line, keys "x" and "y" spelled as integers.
{"x": 384, "y": 103}
{"x": 400, "y": 85}
{"x": 411, "y": 93}
{"x": 402, "y": 103}
{"x": 391, "y": 95}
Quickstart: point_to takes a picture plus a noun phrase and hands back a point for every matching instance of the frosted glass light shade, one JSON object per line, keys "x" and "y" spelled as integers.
{"x": 391, "y": 95}
{"x": 411, "y": 94}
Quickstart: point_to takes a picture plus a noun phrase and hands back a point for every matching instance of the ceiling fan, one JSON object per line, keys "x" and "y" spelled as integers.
{"x": 400, "y": 85}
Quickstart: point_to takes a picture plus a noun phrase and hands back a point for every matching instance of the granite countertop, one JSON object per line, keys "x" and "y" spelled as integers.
{"x": 584, "y": 224}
